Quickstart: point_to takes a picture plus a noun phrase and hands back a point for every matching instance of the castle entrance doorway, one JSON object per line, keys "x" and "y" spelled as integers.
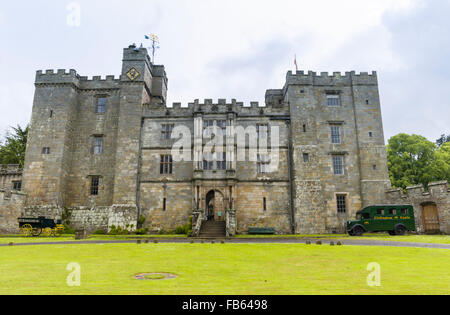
{"x": 215, "y": 206}
{"x": 431, "y": 219}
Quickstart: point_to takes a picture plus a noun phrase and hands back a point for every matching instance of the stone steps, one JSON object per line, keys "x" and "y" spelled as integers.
{"x": 212, "y": 229}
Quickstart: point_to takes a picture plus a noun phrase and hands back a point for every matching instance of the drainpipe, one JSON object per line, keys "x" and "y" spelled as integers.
{"x": 138, "y": 179}
{"x": 291, "y": 178}
{"x": 291, "y": 181}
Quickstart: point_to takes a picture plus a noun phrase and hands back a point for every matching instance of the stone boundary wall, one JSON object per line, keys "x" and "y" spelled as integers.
{"x": 11, "y": 204}
{"x": 90, "y": 219}
{"x": 438, "y": 193}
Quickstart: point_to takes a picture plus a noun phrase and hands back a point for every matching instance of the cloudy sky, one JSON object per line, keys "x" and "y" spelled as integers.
{"x": 238, "y": 49}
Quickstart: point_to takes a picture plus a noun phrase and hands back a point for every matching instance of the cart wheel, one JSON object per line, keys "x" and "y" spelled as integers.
{"x": 47, "y": 232}
{"x": 26, "y": 230}
{"x": 37, "y": 232}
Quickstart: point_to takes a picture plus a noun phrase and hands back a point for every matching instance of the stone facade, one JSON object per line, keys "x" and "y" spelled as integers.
{"x": 10, "y": 177}
{"x": 11, "y": 205}
{"x": 299, "y": 196}
{"x": 437, "y": 198}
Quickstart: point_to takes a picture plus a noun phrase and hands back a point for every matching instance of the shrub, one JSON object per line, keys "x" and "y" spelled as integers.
{"x": 100, "y": 232}
{"x": 141, "y": 231}
{"x": 68, "y": 229}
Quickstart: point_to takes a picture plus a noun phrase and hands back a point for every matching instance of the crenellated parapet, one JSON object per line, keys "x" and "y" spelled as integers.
{"x": 436, "y": 197}
{"x": 327, "y": 79}
{"x": 10, "y": 169}
{"x": 71, "y": 77}
{"x": 221, "y": 106}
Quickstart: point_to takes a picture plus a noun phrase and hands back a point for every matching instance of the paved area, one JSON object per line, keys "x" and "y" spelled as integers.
{"x": 345, "y": 242}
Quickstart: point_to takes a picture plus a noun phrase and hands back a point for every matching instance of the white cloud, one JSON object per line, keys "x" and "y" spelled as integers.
{"x": 234, "y": 48}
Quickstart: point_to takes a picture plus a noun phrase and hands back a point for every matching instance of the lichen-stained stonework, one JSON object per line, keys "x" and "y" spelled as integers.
{"x": 300, "y": 195}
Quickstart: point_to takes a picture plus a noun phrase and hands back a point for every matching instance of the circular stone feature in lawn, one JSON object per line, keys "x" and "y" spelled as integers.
{"x": 155, "y": 276}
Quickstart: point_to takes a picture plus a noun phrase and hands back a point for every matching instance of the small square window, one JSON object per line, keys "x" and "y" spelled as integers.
{"x": 341, "y": 203}
{"x": 304, "y": 128}
{"x": 46, "y": 150}
{"x": 367, "y": 102}
{"x": 305, "y": 157}
{"x": 374, "y": 167}
{"x": 405, "y": 211}
{"x": 392, "y": 211}
{"x": 100, "y": 107}
{"x": 333, "y": 100}
{"x": 95, "y": 183}
{"x": 17, "y": 185}
{"x": 380, "y": 212}
{"x": 370, "y": 134}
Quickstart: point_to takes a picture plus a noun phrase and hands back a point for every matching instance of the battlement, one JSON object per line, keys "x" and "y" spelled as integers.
{"x": 65, "y": 76}
{"x": 434, "y": 189}
{"x": 10, "y": 169}
{"x": 336, "y": 78}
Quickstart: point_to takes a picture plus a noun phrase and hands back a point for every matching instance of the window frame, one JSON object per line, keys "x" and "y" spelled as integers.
{"x": 263, "y": 164}
{"x": 336, "y": 100}
{"x": 166, "y": 164}
{"x": 341, "y": 203}
{"x": 98, "y": 147}
{"x": 263, "y": 135}
{"x": 167, "y": 130}
{"x": 336, "y": 133}
{"x": 221, "y": 165}
{"x": 103, "y": 106}
{"x": 341, "y": 165}
{"x": 19, "y": 183}
{"x": 46, "y": 151}
{"x": 94, "y": 189}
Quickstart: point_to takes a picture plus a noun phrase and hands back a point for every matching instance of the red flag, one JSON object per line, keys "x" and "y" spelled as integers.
{"x": 295, "y": 62}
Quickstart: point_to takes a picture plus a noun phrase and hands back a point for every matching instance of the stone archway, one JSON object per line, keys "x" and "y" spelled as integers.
{"x": 215, "y": 208}
{"x": 430, "y": 218}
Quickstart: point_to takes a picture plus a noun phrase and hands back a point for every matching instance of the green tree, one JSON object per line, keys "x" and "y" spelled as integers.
{"x": 441, "y": 167}
{"x": 12, "y": 151}
{"x": 412, "y": 160}
{"x": 443, "y": 139}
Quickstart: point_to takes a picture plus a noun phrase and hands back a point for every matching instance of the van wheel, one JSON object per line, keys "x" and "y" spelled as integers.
{"x": 351, "y": 233}
{"x": 400, "y": 230}
{"x": 358, "y": 231}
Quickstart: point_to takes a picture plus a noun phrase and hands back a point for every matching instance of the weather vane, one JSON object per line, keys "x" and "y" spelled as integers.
{"x": 155, "y": 41}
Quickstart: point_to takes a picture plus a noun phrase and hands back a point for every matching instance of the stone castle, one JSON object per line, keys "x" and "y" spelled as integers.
{"x": 102, "y": 148}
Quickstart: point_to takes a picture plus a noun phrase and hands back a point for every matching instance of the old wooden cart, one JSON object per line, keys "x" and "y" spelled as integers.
{"x": 40, "y": 226}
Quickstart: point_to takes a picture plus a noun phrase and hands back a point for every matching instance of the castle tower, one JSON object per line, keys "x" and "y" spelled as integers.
{"x": 48, "y": 153}
{"x": 339, "y": 159}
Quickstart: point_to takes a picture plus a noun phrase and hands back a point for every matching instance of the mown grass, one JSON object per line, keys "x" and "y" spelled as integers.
{"x": 223, "y": 269}
{"x": 431, "y": 239}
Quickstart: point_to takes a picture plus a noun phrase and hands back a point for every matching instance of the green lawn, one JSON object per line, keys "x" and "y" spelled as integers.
{"x": 223, "y": 269}
{"x": 431, "y": 239}
{"x": 71, "y": 238}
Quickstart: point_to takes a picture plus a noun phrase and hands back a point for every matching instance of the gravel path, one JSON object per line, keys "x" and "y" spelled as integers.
{"x": 249, "y": 241}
